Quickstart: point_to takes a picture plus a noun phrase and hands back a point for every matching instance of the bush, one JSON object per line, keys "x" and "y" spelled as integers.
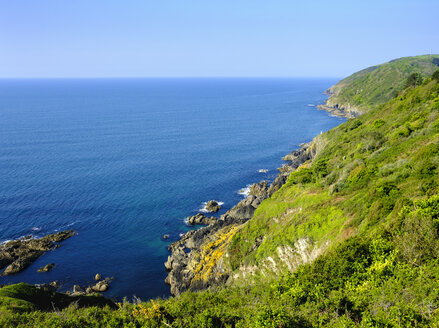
{"x": 413, "y": 80}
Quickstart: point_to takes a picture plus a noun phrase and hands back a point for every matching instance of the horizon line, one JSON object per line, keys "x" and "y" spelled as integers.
{"x": 159, "y": 77}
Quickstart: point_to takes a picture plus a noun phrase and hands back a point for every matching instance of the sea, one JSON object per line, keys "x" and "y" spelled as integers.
{"x": 124, "y": 161}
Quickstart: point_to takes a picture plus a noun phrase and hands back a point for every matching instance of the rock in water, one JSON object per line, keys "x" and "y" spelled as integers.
{"x": 200, "y": 219}
{"x": 17, "y": 255}
{"x": 101, "y": 286}
{"x": 46, "y": 268}
{"x": 212, "y": 206}
{"x": 98, "y": 277}
{"x": 196, "y": 261}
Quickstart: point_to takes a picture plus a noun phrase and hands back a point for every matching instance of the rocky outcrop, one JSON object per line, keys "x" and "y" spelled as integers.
{"x": 196, "y": 260}
{"x": 212, "y": 206}
{"x": 101, "y": 286}
{"x": 200, "y": 219}
{"x": 17, "y": 255}
{"x": 47, "y": 267}
{"x": 333, "y": 106}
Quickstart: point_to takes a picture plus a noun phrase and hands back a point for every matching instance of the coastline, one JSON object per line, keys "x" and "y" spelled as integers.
{"x": 196, "y": 259}
{"x": 196, "y": 262}
{"x": 340, "y": 110}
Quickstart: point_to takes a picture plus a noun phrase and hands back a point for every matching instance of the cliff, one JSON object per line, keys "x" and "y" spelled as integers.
{"x": 197, "y": 259}
{"x": 348, "y": 236}
{"x": 370, "y": 87}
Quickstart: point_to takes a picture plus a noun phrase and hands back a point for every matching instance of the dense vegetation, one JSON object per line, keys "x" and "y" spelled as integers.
{"x": 377, "y": 84}
{"x": 368, "y": 203}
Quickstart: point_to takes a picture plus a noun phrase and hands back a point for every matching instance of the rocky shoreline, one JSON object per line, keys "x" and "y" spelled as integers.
{"x": 17, "y": 255}
{"x": 196, "y": 260}
{"x": 337, "y": 109}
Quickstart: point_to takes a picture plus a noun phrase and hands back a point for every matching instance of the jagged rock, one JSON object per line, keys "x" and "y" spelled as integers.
{"x": 193, "y": 255}
{"x": 101, "y": 286}
{"x": 17, "y": 255}
{"x": 212, "y": 206}
{"x": 89, "y": 290}
{"x": 259, "y": 189}
{"x": 47, "y": 267}
{"x": 98, "y": 277}
{"x": 200, "y": 219}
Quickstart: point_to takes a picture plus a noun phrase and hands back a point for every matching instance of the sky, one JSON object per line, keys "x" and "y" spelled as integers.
{"x": 210, "y": 38}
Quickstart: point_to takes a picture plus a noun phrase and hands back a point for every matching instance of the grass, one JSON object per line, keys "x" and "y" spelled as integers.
{"x": 358, "y": 227}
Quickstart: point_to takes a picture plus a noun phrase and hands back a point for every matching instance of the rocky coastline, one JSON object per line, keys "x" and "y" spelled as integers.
{"x": 17, "y": 255}
{"x": 332, "y": 106}
{"x": 196, "y": 259}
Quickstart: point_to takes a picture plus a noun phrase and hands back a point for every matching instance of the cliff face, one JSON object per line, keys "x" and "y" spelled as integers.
{"x": 199, "y": 259}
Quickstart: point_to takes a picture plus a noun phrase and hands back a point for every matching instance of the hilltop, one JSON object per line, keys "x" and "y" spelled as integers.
{"x": 348, "y": 237}
{"x": 375, "y": 85}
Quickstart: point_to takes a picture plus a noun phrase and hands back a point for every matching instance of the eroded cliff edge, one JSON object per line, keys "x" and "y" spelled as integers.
{"x": 198, "y": 260}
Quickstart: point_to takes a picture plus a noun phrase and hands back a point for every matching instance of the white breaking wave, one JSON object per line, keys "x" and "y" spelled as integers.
{"x": 263, "y": 170}
{"x": 204, "y": 209}
{"x": 245, "y": 191}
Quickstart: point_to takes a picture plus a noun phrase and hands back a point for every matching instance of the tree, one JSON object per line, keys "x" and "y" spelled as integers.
{"x": 413, "y": 80}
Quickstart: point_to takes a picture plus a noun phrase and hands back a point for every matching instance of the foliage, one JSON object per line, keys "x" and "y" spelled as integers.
{"x": 413, "y": 80}
{"x": 351, "y": 240}
{"x": 377, "y": 84}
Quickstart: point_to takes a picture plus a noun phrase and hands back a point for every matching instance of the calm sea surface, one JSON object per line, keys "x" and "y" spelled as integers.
{"x": 124, "y": 161}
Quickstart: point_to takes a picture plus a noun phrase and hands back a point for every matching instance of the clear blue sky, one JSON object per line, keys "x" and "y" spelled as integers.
{"x": 145, "y": 38}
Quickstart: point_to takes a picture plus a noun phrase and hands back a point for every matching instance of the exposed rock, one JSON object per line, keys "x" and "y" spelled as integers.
{"x": 196, "y": 259}
{"x": 200, "y": 219}
{"x": 213, "y": 206}
{"x": 77, "y": 288}
{"x": 166, "y": 236}
{"x": 101, "y": 286}
{"x": 17, "y": 255}
{"x": 259, "y": 189}
{"x": 98, "y": 277}
{"x": 47, "y": 267}
{"x": 89, "y": 290}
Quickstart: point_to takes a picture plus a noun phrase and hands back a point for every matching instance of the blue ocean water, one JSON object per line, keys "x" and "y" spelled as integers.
{"x": 124, "y": 161}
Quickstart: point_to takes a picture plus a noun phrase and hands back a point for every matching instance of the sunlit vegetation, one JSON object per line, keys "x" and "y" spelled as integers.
{"x": 368, "y": 203}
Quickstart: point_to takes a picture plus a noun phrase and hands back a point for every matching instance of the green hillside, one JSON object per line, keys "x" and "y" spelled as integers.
{"x": 351, "y": 240}
{"x": 375, "y": 85}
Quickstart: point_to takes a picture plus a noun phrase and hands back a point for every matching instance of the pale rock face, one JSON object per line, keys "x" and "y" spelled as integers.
{"x": 196, "y": 260}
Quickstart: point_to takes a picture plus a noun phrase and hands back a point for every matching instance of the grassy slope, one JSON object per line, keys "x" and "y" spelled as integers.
{"x": 377, "y": 84}
{"x": 370, "y": 197}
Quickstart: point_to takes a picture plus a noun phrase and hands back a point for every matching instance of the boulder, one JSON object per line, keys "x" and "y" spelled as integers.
{"x": 98, "y": 277}
{"x": 101, "y": 286}
{"x": 200, "y": 219}
{"x": 259, "y": 189}
{"x": 47, "y": 267}
{"x": 212, "y": 206}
